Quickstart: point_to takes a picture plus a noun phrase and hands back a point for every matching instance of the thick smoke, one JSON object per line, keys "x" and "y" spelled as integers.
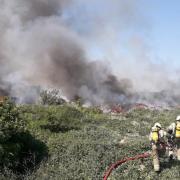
{"x": 44, "y": 43}
{"x": 38, "y": 48}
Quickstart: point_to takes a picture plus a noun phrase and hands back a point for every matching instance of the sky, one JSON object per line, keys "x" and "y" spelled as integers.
{"x": 166, "y": 30}
{"x": 155, "y": 22}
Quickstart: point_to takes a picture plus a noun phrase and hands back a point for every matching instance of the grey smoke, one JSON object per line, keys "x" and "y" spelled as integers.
{"x": 44, "y": 46}
{"x": 38, "y": 48}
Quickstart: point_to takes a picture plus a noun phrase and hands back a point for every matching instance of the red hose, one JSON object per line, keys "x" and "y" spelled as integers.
{"x": 115, "y": 165}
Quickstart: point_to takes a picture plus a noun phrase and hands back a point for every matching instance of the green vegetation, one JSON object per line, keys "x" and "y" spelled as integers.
{"x": 11, "y": 122}
{"x": 71, "y": 143}
{"x": 51, "y": 97}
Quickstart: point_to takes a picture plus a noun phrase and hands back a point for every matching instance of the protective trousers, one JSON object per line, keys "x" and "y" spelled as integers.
{"x": 155, "y": 157}
{"x": 178, "y": 149}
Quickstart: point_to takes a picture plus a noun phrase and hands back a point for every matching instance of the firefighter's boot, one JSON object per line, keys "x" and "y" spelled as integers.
{"x": 155, "y": 157}
{"x": 178, "y": 154}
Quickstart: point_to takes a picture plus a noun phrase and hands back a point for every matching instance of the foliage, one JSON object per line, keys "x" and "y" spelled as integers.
{"x": 51, "y": 97}
{"x": 18, "y": 148}
{"x": 67, "y": 118}
{"x": 22, "y": 153}
{"x": 78, "y": 100}
{"x": 86, "y": 142}
{"x": 11, "y": 121}
{"x": 92, "y": 110}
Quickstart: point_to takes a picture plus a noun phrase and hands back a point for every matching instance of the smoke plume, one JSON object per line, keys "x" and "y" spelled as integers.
{"x": 45, "y": 43}
{"x": 38, "y": 48}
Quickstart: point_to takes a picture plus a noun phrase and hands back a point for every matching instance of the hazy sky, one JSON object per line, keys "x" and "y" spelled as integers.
{"x": 166, "y": 29}
{"x": 154, "y": 24}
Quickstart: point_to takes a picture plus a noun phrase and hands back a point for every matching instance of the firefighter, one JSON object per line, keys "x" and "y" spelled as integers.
{"x": 174, "y": 135}
{"x": 156, "y": 137}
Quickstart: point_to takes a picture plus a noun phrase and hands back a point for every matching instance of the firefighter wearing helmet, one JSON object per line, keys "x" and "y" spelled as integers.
{"x": 174, "y": 134}
{"x": 156, "y": 137}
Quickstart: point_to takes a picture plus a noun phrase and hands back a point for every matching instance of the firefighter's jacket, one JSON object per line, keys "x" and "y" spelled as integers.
{"x": 174, "y": 129}
{"x": 161, "y": 135}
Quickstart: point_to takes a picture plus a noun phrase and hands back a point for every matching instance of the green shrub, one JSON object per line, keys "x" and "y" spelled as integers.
{"x": 66, "y": 118}
{"x": 51, "y": 97}
{"x": 20, "y": 152}
{"x": 11, "y": 121}
{"x": 92, "y": 110}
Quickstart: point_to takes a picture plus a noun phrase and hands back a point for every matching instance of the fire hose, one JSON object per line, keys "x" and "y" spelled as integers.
{"x": 118, "y": 163}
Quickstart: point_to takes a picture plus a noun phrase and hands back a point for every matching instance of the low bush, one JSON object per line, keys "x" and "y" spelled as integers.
{"x": 66, "y": 118}
{"x": 11, "y": 121}
{"x": 20, "y": 152}
{"x": 51, "y": 97}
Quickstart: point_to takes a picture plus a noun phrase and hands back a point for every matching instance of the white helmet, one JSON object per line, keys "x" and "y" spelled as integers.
{"x": 158, "y": 125}
{"x": 178, "y": 118}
